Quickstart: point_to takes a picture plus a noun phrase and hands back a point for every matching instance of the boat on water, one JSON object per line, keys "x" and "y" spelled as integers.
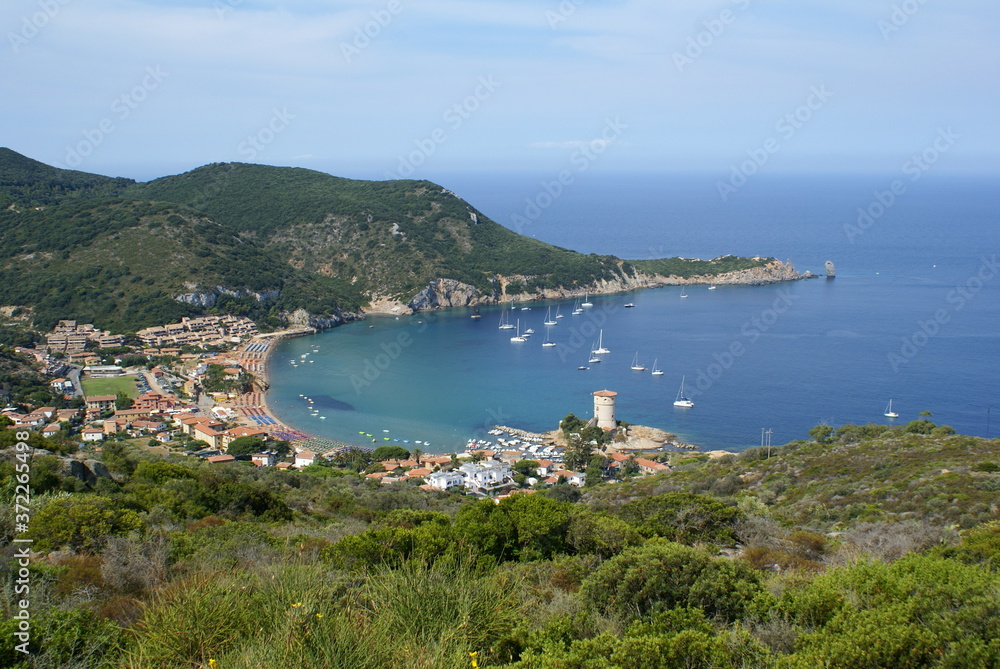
{"x": 576, "y": 308}
{"x": 519, "y": 337}
{"x": 712, "y": 287}
{"x": 529, "y": 331}
{"x": 636, "y": 366}
{"x": 681, "y": 400}
{"x": 505, "y": 322}
{"x": 684, "y": 292}
{"x": 558, "y": 315}
{"x": 548, "y": 317}
{"x": 629, "y": 305}
{"x": 593, "y": 355}
{"x": 656, "y": 370}
{"x": 601, "y": 350}
{"x": 889, "y": 413}
{"x": 583, "y": 367}
{"x": 586, "y": 301}
{"x": 548, "y": 342}
{"x": 476, "y": 314}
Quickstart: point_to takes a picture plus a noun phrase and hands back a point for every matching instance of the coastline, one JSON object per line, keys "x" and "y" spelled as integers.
{"x": 776, "y": 272}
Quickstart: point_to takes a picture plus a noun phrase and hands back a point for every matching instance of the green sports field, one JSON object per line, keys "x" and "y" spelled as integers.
{"x": 111, "y": 386}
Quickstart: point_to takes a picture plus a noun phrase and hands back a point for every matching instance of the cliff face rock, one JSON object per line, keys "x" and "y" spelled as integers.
{"x": 444, "y": 293}
{"x": 208, "y": 298}
{"x": 303, "y": 318}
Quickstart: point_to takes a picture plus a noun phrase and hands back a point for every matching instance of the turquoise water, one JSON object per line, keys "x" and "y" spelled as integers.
{"x": 911, "y": 316}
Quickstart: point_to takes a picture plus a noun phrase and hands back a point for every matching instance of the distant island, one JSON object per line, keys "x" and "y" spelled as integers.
{"x": 286, "y": 247}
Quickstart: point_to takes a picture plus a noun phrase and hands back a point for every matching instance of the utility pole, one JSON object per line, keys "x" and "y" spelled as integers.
{"x": 769, "y": 433}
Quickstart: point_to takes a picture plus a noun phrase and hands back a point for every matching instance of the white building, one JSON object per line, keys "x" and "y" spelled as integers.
{"x": 445, "y": 480}
{"x": 487, "y": 477}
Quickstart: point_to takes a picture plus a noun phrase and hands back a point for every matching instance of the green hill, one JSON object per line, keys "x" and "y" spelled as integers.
{"x": 264, "y": 242}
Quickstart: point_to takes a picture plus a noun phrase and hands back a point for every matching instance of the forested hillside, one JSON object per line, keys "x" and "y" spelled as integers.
{"x": 263, "y": 242}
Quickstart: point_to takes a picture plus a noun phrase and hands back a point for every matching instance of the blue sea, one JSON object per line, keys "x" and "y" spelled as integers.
{"x": 912, "y": 316}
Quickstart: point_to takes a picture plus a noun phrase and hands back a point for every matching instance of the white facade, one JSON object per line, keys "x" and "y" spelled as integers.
{"x": 445, "y": 480}
{"x": 487, "y": 476}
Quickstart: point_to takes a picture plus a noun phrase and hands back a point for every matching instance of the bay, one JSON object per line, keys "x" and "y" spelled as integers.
{"x": 912, "y": 316}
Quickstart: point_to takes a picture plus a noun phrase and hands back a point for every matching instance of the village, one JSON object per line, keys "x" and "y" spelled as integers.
{"x": 196, "y": 388}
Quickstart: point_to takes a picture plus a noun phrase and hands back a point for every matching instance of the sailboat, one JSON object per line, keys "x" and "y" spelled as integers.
{"x": 684, "y": 292}
{"x": 600, "y": 350}
{"x": 712, "y": 287}
{"x": 593, "y": 355}
{"x": 518, "y": 337}
{"x": 576, "y": 308}
{"x": 476, "y": 314}
{"x": 889, "y": 413}
{"x": 656, "y": 370}
{"x": 504, "y": 323}
{"x": 558, "y": 315}
{"x": 586, "y": 301}
{"x": 636, "y": 367}
{"x": 548, "y": 342}
{"x": 682, "y": 401}
{"x": 548, "y": 317}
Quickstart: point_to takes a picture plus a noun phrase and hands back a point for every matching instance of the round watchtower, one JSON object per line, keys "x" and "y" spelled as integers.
{"x": 604, "y": 409}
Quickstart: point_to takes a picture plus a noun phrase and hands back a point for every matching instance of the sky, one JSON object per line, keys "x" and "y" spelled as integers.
{"x": 418, "y": 88}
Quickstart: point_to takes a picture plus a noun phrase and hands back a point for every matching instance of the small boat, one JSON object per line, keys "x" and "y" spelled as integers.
{"x": 586, "y": 301}
{"x": 504, "y": 322}
{"x": 593, "y": 356}
{"x": 519, "y": 337}
{"x": 629, "y": 305}
{"x": 681, "y": 400}
{"x": 558, "y": 315}
{"x": 583, "y": 367}
{"x": 529, "y": 331}
{"x": 476, "y": 314}
{"x": 601, "y": 350}
{"x": 636, "y": 367}
{"x": 548, "y": 342}
{"x": 656, "y": 371}
{"x": 889, "y": 413}
{"x": 548, "y": 317}
{"x": 684, "y": 292}
{"x": 712, "y": 287}
{"x": 576, "y": 308}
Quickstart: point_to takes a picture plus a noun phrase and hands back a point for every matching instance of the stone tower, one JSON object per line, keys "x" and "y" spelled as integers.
{"x": 604, "y": 409}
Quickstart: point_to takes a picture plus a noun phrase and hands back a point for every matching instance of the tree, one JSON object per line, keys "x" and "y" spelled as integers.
{"x": 122, "y": 401}
{"x": 525, "y": 467}
{"x": 630, "y": 467}
{"x": 243, "y": 446}
{"x": 683, "y": 517}
{"x": 578, "y": 453}
{"x": 595, "y": 471}
{"x": 821, "y": 433}
{"x": 390, "y": 453}
{"x": 81, "y": 522}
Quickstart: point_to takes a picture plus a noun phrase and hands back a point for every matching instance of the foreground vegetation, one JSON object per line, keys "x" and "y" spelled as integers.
{"x": 859, "y": 552}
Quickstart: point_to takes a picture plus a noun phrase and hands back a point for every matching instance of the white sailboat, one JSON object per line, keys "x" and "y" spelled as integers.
{"x": 548, "y": 317}
{"x": 889, "y": 413}
{"x": 713, "y": 287}
{"x": 504, "y": 323}
{"x": 593, "y": 355}
{"x": 656, "y": 370}
{"x": 558, "y": 315}
{"x": 600, "y": 350}
{"x": 681, "y": 400}
{"x": 636, "y": 367}
{"x": 576, "y": 308}
{"x": 684, "y": 292}
{"x": 518, "y": 337}
{"x": 548, "y": 342}
{"x": 586, "y": 301}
